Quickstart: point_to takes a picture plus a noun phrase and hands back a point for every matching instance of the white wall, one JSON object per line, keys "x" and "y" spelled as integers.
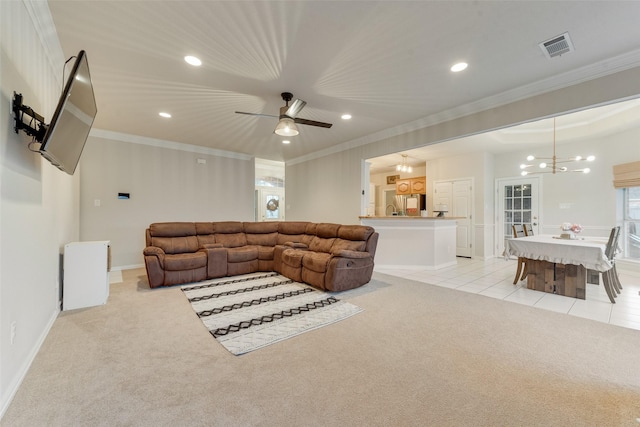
{"x": 39, "y": 205}
{"x": 165, "y": 184}
{"x": 587, "y": 199}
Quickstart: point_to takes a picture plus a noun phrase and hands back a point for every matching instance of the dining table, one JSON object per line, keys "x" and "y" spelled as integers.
{"x": 560, "y": 265}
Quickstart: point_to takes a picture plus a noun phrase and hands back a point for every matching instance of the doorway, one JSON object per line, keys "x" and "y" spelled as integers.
{"x": 457, "y": 195}
{"x": 270, "y": 204}
{"x": 518, "y": 203}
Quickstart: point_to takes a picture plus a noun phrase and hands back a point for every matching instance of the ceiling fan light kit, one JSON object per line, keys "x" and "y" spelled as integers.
{"x": 286, "y": 127}
{"x": 554, "y": 167}
{"x": 288, "y": 117}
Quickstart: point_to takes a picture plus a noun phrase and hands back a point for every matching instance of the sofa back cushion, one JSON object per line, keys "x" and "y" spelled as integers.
{"x": 173, "y": 237}
{"x": 261, "y": 233}
{"x": 350, "y": 245}
{"x": 172, "y": 229}
{"x": 260, "y": 227}
{"x": 292, "y": 231}
{"x": 327, "y": 230}
{"x": 355, "y": 232}
{"x": 176, "y": 245}
{"x": 325, "y": 235}
{"x": 230, "y": 234}
{"x": 228, "y": 227}
{"x": 204, "y": 232}
{"x": 352, "y": 238}
{"x": 319, "y": 244}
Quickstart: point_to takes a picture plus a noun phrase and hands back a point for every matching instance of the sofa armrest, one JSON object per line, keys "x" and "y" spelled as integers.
{"x": 296, "y": 245}
{"x": 155, "y": 251}
{"x": 154, "y": 263}
{"x": 345, "y": 253}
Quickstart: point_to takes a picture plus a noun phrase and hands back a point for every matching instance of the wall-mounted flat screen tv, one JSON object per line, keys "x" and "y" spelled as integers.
{"x": 67, "y": 133}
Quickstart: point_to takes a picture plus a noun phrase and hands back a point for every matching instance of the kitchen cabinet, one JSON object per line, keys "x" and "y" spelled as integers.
{"x": 403, "y": 186}
{"x": 417, "y": 185}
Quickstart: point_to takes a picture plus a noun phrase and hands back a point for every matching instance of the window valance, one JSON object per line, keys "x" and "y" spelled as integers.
{"x": 626, "y": 175}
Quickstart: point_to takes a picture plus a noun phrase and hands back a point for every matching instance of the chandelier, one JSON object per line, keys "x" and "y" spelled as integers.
{"x": 403, "y": 167}
{"x": 554, "y": 167}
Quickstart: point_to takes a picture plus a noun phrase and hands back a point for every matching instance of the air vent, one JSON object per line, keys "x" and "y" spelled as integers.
{"x": 557, "y": 46}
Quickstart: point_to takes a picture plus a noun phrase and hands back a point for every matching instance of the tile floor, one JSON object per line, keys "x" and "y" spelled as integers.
{"x": 494, "y": 278}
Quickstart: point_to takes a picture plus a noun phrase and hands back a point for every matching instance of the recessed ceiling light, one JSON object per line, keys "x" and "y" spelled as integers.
{"x": 286, "y": 141}
{"x": 346, "y": 117}
{"x": 165, "y": 115}
{"x": 459, "y": 67}
{"x": 192, "y": 60}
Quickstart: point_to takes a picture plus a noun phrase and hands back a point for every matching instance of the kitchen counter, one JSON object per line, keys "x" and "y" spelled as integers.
{"x": 439, "y": 218}
{"x": 414, "y": 242}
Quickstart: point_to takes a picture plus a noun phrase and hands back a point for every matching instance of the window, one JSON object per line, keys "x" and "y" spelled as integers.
{"x": 631, "y": 223}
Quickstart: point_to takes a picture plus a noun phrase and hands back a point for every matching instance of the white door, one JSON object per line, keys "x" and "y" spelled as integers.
{"x": 461, "y": 208}
{"x": 457, "y": 197}
{"x": 518, "y": 201}
{"x": 442, "y": 195}
{"x": 271, "y": 204}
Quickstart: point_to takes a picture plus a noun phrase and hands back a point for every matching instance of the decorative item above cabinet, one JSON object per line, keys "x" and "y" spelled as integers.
{"x": 417, "y": 185}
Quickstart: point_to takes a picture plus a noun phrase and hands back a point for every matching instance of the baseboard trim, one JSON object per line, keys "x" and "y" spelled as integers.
{"x": 24, "y": 369}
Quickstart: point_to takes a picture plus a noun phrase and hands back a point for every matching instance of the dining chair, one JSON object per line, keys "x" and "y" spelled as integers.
{"x": 518, "y": 231}
{"x": 610, "y": 252}
{"x": 610, "y": 277}
{"x": 528, "y": 230}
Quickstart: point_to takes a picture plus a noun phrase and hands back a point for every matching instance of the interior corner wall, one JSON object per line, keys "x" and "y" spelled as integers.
{"x": 39, "y": 205}
{"x": 164, "y": 184}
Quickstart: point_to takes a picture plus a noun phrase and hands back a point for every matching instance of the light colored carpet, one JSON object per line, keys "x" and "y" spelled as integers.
{"x": 417, "y": 355}
{"x": 251, "y": 311}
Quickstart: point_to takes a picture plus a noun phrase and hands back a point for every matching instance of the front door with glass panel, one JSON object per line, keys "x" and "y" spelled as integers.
{"x": 517, "y": 204}
{"x": 271, "y": 204}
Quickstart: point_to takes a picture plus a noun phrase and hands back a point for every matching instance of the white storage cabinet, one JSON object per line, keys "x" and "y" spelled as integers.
{"x": 86, "y": 274}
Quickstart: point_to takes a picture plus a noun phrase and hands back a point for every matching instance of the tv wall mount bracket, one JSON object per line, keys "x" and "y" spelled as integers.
{"x": 29, "y": 127}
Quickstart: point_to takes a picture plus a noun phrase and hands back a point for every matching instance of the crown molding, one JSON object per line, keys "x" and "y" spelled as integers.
{"x": 161, "y": 143}
{"x": 44, "y": 27}
{"x": 590, "y": 72}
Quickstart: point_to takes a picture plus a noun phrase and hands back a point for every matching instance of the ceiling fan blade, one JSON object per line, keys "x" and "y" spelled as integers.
{"x": 255, "y": 114}
{"x": 312, "y": 123}
{"x": 295, "y": 108}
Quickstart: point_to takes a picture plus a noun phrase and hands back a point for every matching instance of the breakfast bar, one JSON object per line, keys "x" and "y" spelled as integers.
{"x": 414, "y": 242}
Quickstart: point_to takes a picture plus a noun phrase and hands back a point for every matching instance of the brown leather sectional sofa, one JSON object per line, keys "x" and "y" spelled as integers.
{"x": 331, "y": 257}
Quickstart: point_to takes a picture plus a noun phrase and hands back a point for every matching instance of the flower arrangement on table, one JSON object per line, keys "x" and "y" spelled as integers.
{"x": 570, "y": 230}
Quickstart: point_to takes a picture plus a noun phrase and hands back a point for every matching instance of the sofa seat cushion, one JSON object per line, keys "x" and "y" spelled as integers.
{"x": 293, "y": 257}
{"x": 179, "y": 262}
{"x": 316, "y": 261}
{"x": 242, "y": 254}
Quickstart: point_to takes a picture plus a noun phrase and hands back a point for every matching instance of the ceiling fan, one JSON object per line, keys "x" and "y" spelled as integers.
{"x": 287, "y": 123}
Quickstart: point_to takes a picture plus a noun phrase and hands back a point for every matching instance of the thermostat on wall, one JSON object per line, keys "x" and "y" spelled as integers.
{"x": 124, "y": 196}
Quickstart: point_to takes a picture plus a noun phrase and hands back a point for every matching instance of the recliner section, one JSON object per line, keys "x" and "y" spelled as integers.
{"x": 331, "y": 257}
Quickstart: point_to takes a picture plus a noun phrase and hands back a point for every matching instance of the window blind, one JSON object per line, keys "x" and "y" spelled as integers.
{"x": 626, "y": 175}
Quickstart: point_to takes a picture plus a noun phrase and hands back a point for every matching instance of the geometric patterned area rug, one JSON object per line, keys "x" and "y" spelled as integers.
{"x": 248, "y": 312}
